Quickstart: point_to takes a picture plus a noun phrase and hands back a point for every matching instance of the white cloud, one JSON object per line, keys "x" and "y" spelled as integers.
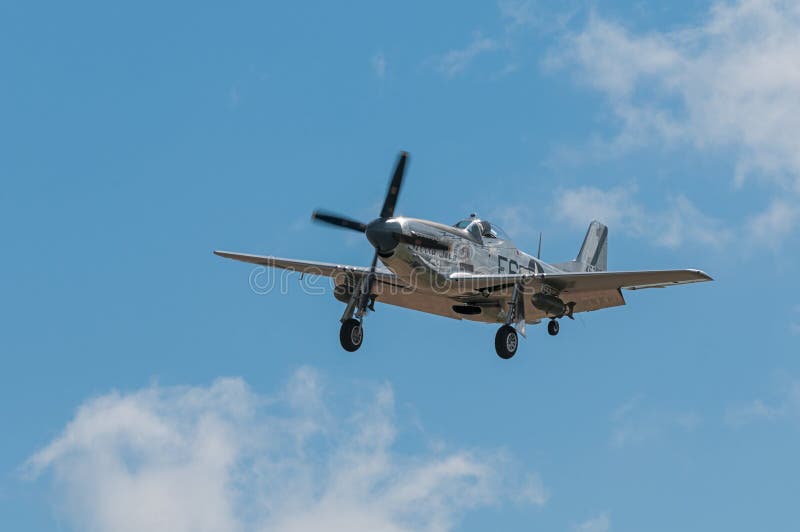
{"x": 633, "y": 425}
{"x": 379, "y": 65}
{"x": 684, "y": 222}
{"x": 744, "y": 414}
{"x": 227, "y": 458}
{"x": 771, "y": 226}
{"x": 543, "y": 17}
{"x": 731, "y": 81}
{"x": 601, "y": 523}
{"x": 515, "y": 16}
{"x": 785, "y": 404}
{"x": 681, "y": 222}
{"x": 518, "y": 12}
{"x": 517, "y": 220}
{"x": 457, "y": 60}
{"x": 615, "y": 207}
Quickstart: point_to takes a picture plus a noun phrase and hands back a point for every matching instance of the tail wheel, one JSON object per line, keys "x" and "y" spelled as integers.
{"x": 351, "y": 335}
{"x": 506, "y": 341}
{"x": 552, "y": 328}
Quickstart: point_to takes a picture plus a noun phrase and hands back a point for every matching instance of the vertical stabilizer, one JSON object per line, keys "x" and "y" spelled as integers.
{"x": 594, "y": 251}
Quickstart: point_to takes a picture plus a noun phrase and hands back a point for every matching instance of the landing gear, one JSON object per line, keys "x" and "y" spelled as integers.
{"x": 351, "y": 334}
{"x": 552, "y": 328}
{"x": 506, "y": 341}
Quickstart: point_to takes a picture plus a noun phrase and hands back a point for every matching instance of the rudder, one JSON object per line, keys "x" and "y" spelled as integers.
{"x": 593, "y": 255}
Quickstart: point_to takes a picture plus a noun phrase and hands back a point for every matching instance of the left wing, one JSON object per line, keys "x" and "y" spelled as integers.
{"x": 324, "y": 269}
{"x": 389, "y": 287}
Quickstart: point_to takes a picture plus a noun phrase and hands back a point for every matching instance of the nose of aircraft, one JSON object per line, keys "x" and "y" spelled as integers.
{"x": 381, "y": 234}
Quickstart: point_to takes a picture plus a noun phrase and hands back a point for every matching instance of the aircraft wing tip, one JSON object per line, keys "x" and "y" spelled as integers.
{"x": 226, "y": 254}
{"x": 703, "y": 275}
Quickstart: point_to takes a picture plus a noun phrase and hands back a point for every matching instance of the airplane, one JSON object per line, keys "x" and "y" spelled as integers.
{"x": 470, "y": 270}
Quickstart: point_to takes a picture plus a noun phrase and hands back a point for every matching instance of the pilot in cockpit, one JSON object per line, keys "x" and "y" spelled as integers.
{"x": 479, "y": 229}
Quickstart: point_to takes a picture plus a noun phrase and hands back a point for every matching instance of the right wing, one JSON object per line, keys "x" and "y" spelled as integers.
{"x": 589, "y": 290}
{"x": 576, "y": 282}
{"x": 582, "y": 281}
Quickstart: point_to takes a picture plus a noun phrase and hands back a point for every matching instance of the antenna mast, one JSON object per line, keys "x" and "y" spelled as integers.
{"x": 539, "y": 252}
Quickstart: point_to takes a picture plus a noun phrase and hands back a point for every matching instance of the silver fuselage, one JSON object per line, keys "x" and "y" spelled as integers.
{"x": 430, "y": 270}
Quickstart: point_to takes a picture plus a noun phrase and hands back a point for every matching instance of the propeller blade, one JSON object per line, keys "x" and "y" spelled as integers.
{"x": 394, "y": 186}
{"x": 339, "y": 221}
{"x": 422, "y": 241}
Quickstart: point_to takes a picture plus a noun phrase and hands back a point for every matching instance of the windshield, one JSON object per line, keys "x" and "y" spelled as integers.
{"x": 498, "y": 233}
{"x": 484, "y": 229}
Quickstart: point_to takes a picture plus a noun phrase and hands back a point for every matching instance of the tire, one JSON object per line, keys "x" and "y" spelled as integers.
{"x": 351, "y": 335}
{"x": 552, "y": 328}
{"x": 506, "y": 342}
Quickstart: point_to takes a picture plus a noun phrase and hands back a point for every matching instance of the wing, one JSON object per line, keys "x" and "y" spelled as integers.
{"x": 589, "y": 290}
{"x": 389, "y": 289}
{"x": 582, "y": 281}
{"x": 576, "y": 282}
{"x": 324, "y": 269}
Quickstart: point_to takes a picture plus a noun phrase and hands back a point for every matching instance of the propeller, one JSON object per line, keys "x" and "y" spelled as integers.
{"x": 382, "y": 234}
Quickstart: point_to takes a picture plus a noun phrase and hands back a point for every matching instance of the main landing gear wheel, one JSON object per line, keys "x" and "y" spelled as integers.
{"x": 552, "y": 328}
{"x": 506, "y": 341}
{"x": 351, "y": 335}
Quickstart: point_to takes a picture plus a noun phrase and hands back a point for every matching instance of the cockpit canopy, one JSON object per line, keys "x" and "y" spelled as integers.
{"x": 482, "y": 229}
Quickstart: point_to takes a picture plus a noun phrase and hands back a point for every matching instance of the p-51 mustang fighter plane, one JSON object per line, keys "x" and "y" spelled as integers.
{"x": 470, "y": 270}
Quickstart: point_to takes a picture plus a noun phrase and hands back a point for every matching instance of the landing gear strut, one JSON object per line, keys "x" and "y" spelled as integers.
{"x": 552, "y": 328}
{"x": 506, "y": 341}
{"x": 351, "y": 334}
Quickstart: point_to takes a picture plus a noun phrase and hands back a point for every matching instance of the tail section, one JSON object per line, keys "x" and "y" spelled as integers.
{"x": 594, "y": 251}
{"x": 593, "y": 255}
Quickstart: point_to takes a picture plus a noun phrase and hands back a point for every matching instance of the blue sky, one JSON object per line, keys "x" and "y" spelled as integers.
{"x": 136, "y": 365}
